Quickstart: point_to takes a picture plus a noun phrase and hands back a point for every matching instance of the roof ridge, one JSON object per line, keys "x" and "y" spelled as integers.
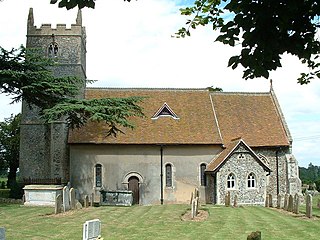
{"x": 147, "y": 89}
{"x": 242, "y": 93}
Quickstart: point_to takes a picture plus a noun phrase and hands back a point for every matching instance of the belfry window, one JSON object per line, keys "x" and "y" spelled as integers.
{"x": 53, "y": 49}
{"x": 251, "y": 181}
{"x": 98, "y": 175}
{"x": 231, "y": 181}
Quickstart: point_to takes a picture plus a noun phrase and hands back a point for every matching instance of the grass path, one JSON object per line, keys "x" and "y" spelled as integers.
{"x": 156, "y": 222}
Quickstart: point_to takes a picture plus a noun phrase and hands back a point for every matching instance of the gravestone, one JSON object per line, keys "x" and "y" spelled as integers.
{"x": 227, "y": 199}
{"x": 91, "y": 229}
{"x": 235, "y": 201}
{"x": 309, "y": 206}
{"x": 65, "y": 199}
{"x": 286, "y": 201}
{"x": 279, "y": 199}
{"x": 92, "y": 200}
{"x": 270, "y": 203}
{"x": 78, "y": 205}
{"x": 254, "y": 236}
{"x": 86, "y": 201}
{"x": 290, "y": 204}
{"x": 266, "y": 204}
{"x": 2, "y": 233}
{"x": 296, "y": 203}
{"x": 58, "y": 204}
{"x": 191, "y": 198}
{"x": 72, "y": 199}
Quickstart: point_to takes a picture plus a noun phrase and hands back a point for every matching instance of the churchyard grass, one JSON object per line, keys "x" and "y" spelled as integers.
{"x": 157, "y": 222}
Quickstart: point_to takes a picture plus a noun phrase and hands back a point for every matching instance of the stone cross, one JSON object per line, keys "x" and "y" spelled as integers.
{"x": 290, "y": 204}
{"x": 309, "y": 206}
{"x": 66, "y": 200}
{"x": 58, "y": 204}
{"x": 2, "y": 233}
{"x": 72, "y": 199}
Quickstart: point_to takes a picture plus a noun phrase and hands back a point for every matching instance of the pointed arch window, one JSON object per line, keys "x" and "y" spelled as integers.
{"x": 98, "y": 175}
{"x": 53, "y": 49}
{"x": 231, "y": 181}
{"x": 203, "y": 179}
{"x": 251, "y": 181}
{"x": 165, "y": 111}
{"x": 168, "y": 175}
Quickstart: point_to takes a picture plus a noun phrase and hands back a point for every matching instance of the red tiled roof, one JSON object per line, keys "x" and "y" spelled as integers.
{"x": 196, "y": 123}
{"x": 254, "y": 117}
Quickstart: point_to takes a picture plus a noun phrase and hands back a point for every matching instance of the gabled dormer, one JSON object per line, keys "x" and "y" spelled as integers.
{"x": 165, "y": 111}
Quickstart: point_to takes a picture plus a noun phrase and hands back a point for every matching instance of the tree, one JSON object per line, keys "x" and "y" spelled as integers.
{"x": 265, "y": 29}
{"x": 9, "y": 147}
{"x": 25, "y": 74}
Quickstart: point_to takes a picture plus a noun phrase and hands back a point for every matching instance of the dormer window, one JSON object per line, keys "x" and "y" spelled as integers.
{"x": 165, "y": 111}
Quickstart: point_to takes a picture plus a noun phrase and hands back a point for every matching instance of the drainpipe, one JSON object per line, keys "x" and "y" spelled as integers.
{"x": 161, "y": 175}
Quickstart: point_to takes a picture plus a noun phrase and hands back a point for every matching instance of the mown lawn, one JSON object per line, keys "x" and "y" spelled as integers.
{"x": 156, "y": 222}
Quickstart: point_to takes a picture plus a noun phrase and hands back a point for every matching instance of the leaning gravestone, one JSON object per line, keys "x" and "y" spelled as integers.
{"x": 58, "y": 204}
{"x": 2, "y": 233}
{"x": 270, "y": 201}
{"x": 235, "y": 201}
{"x": 266, "y": 204}
{"x": 309, "y": 206}
{"x": 72, "y": 199}
{"x": 91, "y": 229}
{"x": 66, "y": 200}
{"x": 286, "y": 201}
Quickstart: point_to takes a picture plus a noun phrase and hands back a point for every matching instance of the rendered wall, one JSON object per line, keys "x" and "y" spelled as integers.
{"x": 119, "y": 162}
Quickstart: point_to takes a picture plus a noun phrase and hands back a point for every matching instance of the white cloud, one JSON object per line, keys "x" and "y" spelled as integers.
{"x": 130, "y": 45}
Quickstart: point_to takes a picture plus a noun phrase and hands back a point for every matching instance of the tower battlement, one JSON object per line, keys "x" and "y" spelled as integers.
{"x": 60, "y": 29}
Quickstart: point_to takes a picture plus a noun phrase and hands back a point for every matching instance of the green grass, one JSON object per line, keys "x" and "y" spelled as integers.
{"x": 156, "y": 222}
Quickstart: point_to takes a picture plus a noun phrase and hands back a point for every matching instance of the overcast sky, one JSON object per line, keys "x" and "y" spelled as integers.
{"x": 130, "y": 45}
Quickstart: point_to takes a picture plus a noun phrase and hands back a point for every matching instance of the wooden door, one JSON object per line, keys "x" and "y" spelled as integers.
{"x": 134, "y": 187}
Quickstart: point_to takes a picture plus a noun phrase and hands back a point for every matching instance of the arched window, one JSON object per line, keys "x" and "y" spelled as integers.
{"x": 251, "y": 181}
{"x": 168, "y": 175}
{"x": 53, "y": 49}
{"x": 203, "y": 179}
{"x": 231, "y": 181}
{"x": 98, "y": 175}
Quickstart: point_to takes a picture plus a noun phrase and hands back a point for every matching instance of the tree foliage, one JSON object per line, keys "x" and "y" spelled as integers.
{"x": 265, "y": 29}
{"x": 25, "y": 74}
{"x": 9, "y": 147}
{"x": 310, "y": 175}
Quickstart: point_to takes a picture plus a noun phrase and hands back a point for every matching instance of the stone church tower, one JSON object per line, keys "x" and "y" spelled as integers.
{"x": 44, "y": 151}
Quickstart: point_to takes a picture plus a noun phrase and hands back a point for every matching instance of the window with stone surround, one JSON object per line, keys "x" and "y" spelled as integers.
{"x": 251, "y": 181}
{"x": 98, "y": 175}
{"x": 241, "y": 156}
{"x": 203, "y": 180}
{"x": 168, "y": 168}
{"x": 53, "y": 50}
{"x": 231, "y": 181}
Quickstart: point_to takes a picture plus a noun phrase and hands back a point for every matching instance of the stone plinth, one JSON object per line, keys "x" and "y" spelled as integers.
{"x": 41, "y": 195}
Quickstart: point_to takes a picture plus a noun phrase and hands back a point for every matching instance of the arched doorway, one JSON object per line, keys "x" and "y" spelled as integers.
{"x": 133, "y": 185}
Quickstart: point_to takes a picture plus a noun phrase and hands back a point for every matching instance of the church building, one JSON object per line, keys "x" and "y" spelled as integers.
{"x": 235, "y": 143}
